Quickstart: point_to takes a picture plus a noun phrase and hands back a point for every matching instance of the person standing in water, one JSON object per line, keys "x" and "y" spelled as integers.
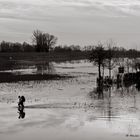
{"x": 21, "y": 101}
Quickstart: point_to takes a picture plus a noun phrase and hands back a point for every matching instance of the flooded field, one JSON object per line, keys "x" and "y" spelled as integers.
{"x": 67, "y": 109}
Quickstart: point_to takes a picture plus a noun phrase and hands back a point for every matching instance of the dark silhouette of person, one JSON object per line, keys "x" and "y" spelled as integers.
{"x": 21, "y": 106}
{"x": 21, "y": 101}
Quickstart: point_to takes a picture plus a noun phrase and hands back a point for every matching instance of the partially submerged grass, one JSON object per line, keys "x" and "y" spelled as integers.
{"x": 12, "y": 61}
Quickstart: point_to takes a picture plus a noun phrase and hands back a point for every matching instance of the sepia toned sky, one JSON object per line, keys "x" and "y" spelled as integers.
{"x": 81, "y": 22}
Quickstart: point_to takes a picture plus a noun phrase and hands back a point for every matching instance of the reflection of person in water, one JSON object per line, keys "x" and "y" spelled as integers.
{"x": 21, "y": 106}
{"x": 21, "y": 112}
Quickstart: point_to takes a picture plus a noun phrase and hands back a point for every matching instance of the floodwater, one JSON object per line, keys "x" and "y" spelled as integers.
{"x": 68, "y": 109}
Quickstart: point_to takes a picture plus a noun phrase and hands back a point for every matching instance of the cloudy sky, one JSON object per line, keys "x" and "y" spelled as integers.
{"x": 81, "y": 22}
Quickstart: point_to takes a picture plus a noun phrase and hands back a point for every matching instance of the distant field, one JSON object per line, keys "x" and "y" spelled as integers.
{"x": 9, "y": 77}
{"x": 8, "y": 60}
{"x": 51, "y": 56}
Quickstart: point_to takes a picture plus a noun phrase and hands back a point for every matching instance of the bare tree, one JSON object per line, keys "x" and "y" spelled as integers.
{"x": 110, "y": 59}
{"x": 43, "y": 41}
{"x": 98, "y": 56}
{"x": 128, "y": 64}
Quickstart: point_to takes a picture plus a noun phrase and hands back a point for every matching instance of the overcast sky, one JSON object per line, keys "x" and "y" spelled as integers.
{"x": 81, "y": 22}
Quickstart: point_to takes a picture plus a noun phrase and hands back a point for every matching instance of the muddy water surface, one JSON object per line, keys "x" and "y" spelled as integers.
{"x": 65, "y": 109}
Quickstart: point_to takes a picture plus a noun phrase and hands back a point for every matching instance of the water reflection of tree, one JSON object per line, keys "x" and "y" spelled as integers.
{"x": 45, "y": 68}
{"x": 129, "y": 91}
{"x": 109, "y": 104}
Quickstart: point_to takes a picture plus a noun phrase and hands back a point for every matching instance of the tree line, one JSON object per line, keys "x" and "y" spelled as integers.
{"x": 45, "y": 42}
{"x": 41, "y": 42}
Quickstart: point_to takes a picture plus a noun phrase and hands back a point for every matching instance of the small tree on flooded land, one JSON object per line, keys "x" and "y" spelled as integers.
{"x": 128, "y": 64}
{"x": 98, "y": 56}
{"x": 110, "y": 61}
{"x": 43, "y": 41}
{"x": 103, "y": 69}
{"x": 133, "y": 55}
{"x": 136, "y": 64}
